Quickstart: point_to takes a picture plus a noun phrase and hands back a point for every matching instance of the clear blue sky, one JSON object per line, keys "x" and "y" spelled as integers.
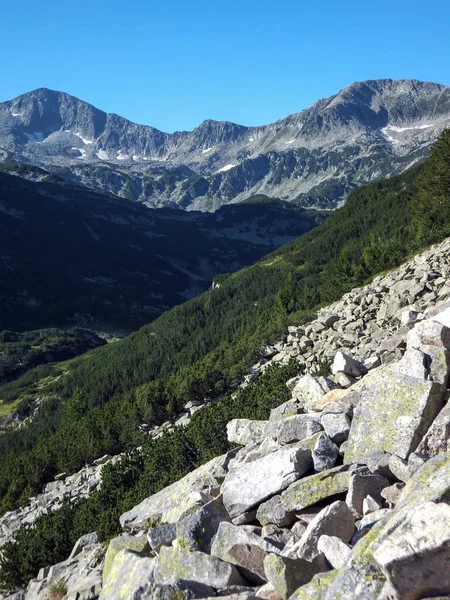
{"x": 174, "y": 63}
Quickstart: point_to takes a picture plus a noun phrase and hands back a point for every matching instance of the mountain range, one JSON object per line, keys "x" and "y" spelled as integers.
{"x": 313, "y": 158}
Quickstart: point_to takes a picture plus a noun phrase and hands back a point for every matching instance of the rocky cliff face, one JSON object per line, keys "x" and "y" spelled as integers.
{"x": 342, "y": 493}
{"x": 367, "y": 131}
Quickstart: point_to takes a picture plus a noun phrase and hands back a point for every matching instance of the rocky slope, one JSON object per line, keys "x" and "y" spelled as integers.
{"x": 342, "y": 493}
{"x": 367, "y": 131}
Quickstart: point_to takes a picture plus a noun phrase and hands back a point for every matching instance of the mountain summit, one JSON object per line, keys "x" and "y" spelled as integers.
{"x": 315, "y": 157}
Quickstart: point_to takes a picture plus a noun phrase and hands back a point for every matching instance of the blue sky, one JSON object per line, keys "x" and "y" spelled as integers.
{"x": 172, "y": 64}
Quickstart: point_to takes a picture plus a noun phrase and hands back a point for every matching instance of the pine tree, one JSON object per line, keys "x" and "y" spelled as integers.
{"x": 431, "y": 207}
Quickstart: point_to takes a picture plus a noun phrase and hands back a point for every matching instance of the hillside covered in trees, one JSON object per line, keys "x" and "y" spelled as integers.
{"x": 199, "y": 349}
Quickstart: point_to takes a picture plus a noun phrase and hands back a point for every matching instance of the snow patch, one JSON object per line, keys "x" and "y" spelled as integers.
{"x": 226, "y": 168}
{"x": 102, "y": 155}
{"x": 83, "y": 152}
{"x": 35, "y": 137}
{"x": 206, "y": 150}
{"x": 84, "y": 140}
{"x": 14, "y": 114}
{"x": 121, "y": 156}
{"x": 251, "y": 139}
{"x": 136, "y": 157}
{"x": 290, "y": 142}
{"x": 400, "y": 129}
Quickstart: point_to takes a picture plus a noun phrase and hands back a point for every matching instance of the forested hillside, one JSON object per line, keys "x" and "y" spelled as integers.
{"x": 201, "y": 349}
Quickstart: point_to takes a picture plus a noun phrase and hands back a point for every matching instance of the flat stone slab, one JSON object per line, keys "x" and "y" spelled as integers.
{"x": 246, "y": 486}
{"x": 312, "y": 489}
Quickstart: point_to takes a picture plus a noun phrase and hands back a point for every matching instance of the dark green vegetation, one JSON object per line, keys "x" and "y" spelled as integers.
{"x": 21, "y": 351}
{"x": 196, "y": 350}
{"x": 139, "y": 475}
{"x": 69, "y": 256}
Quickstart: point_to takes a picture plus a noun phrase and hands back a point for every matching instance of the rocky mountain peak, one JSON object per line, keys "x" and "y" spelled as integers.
{"x": 370, "y": 129}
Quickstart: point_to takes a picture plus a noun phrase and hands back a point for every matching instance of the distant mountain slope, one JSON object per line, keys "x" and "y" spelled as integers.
{"x": 367, "y": 131}
{"x": 69, "y": 256}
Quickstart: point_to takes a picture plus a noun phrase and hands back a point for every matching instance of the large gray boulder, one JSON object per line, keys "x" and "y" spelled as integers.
{"x": 178, "y": 563}
{"x": 180, "y": 499}
{"x": 294, "y": 429}
{"x": 361, "y": 486}
{"x": 416, "y": 553}
{"x": 325, "y": 453}
{"x": 241, "y": 547}
{"x": 393, "y": 415}
{"x": 335, "y": 550}
{"x": 129, "y": 571}
{"x": 437, "y": 438}
{"x": 287, "y": 574}
{"x": 334, "y": 520}
{"x": 246, "y": 486}
{"x": 196, "y": 532}
{"x": 273, "y": 511}
{"x": 310, "y": 490}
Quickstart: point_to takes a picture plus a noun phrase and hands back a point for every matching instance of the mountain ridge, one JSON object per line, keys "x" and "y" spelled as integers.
{"x": 366, "y": 131}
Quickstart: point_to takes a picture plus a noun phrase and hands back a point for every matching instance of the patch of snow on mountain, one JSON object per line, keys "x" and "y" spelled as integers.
{"x": 84, "y": 140}
{"x": 400, "y": 129}
{"x": 102, "y": 155}
{"x": 121, "y": 156}
{"x": 35, "y": 137}
{"x": 226, "y": 168}
{"x": 206, "y": 150}
{"x": 83, "y": 152}
{"x": 290, "y": 142}
{"x": 14, "y": 114}
{"x": 251, "y": 139}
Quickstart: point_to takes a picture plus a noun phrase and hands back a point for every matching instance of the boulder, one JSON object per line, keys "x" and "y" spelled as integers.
{"x": 343, "y": 363}
{"x": 415, "y": 554}
{"x": 335, "y": 550}
{"x": 361, "y": 486}
{"x": 197, "y": 531}
{"x": 246, "y": 431}
{"x": 273, "y": 511}
{"x": 308, "y": 390}
{"x": 242, "y": 548}
{"x": 178, "y": 563}
{"x": 337, "y": 426}
{"x": 310, "y": 490}
{"x": 370, "y": 505}
{"x": 294, "y": 429}
{"x": 393, "y": 415}
{"x": 325, "y": 453}
{"x": 128, "y": 572}
{"x": 124, "y": 542}
{"x": 287, "y": 574}
{"x": 246, "y": 486}
{"x": 85, "y": 540}
{"x": 287, "y": 409}
{"x": 180, "y": 499}
{"x": 429, "y": 333}
{"x": 334, "y": 520}
{"x": 436, "y": 440}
